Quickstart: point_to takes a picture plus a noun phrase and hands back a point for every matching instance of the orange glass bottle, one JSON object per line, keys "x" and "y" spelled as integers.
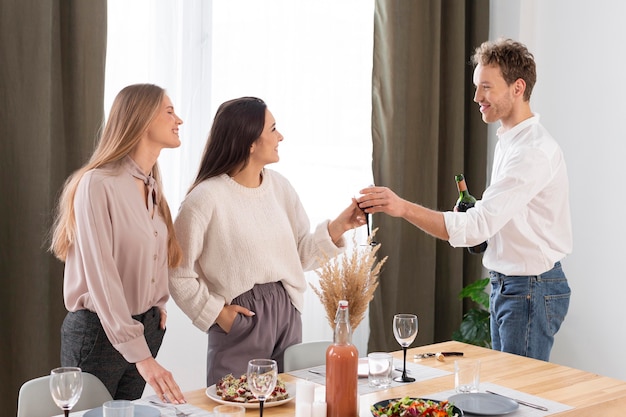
{"x": 342, "y": 361}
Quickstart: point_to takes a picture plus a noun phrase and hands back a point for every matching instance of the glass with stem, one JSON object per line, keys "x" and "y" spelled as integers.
{"x": 405, "y": 331}
{"x": 66, "y": 385}
{"x": 368, "y": 222}
{"x": 262, "y": 375}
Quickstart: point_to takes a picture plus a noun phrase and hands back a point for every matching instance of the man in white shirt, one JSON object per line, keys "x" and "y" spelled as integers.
{"x": 524, "y": 213}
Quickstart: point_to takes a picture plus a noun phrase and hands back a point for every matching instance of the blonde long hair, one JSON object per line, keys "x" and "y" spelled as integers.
{"x": 132, "y": 111}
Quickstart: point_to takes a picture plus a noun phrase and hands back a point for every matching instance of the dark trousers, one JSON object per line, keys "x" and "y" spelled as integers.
{"x": 275, "y": 326}
{"x": 84, "y": 344}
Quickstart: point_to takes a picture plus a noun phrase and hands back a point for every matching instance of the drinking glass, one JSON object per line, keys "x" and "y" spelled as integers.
{"x": 466, "y": 375}
{"x": 380, "y": 366}
{"x": 262, "y": 375}
{"x": 226, "y": 410}
{"x": 66, "y": 385}
{"x": 118, "y": 408}
{"x": 405, "y": 330}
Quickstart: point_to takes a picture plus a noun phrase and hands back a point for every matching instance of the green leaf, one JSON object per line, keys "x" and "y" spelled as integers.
{"x": 475, "y": 328}
{"x": 476, "y": 292}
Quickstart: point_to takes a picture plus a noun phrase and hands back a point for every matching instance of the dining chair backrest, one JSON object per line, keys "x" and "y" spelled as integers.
{"x": 35, "y": 400}
{"x": 305, "y": 355}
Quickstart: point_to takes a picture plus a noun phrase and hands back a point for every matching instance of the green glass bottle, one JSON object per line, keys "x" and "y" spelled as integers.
{"x": 465, "y": 202}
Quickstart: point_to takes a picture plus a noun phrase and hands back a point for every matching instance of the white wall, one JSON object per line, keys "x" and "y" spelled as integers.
{"x": 579, "y": 94}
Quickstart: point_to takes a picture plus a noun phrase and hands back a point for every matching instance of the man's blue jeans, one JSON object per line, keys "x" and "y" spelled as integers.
{"x": 527, "y": 311}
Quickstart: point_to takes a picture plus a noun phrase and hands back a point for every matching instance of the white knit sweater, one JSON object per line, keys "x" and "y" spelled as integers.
{"x": 234, "y": 237}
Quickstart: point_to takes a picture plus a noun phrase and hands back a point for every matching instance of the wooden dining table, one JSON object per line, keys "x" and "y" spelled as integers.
{"x": 588, "y": 394}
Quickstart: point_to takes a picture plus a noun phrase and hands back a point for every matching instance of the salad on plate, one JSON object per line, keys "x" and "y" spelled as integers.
{"x": 414, "y": 407}
{"x": 236, "y": 390}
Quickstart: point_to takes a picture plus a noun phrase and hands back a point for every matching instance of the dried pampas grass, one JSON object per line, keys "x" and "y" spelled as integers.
{"x": 352, "y": 277}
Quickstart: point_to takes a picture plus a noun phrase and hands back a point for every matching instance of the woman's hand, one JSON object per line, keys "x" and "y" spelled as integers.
{"x": 161, "y": 380}
{"x": 163, "y": 318}
{"x": 227, "y": 316}
{"x": 348, "y": 219}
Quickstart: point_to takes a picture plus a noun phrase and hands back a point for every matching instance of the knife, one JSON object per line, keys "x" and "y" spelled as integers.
{"x": 317, "y": 372}
{"x": 531, "y": 405}
{"x": 430, "y": 354}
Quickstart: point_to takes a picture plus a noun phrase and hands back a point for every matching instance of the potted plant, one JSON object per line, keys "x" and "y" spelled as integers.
{"x": 475, "y": 327}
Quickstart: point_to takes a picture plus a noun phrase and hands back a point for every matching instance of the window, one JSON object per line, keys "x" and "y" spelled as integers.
{"x": 310, "y": 61}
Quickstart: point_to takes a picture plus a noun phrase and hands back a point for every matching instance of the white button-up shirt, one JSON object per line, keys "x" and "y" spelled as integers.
{"x": 524, "y": 213}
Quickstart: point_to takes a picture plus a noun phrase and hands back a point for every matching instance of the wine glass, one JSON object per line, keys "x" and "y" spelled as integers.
{"x": 66, "y": 385}
{"x": 405, "y": 330}
{"x": 262, "y": 375}
{"x": 368, "y": 222}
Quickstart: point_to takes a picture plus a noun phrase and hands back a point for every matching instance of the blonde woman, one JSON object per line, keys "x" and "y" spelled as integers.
{"x": 114, "y": 231}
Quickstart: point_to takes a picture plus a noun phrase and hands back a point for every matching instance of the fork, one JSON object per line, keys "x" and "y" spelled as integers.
{"x": 178, "y": 412}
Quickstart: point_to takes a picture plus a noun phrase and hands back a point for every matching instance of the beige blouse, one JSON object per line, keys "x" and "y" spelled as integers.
{"x": 117, "y": 265}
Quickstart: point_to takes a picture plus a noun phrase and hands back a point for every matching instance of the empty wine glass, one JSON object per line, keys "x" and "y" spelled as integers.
{"x": 405, "y": 330}
{"x": 262, "y": 375}
{"x": 66, "y": 385}
{"x": 368, "y": 223}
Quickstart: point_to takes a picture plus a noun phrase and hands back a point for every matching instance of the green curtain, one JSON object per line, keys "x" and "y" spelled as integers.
{"x": 52, "y": 56}
{"x": 425, "y": 130}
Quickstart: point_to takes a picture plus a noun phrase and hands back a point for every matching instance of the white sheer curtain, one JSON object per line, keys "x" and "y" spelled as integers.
{"x": 310, "y": 61}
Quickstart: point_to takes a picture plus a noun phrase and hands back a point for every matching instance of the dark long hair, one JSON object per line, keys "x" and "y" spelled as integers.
{"x": 237, "y": 124}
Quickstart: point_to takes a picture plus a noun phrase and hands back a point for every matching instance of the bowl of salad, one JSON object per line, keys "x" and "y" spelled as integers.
{"x": 415, "y": 407}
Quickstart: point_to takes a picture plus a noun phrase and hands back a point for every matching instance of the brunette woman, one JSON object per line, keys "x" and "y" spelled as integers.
{"x": 247, "y": 241}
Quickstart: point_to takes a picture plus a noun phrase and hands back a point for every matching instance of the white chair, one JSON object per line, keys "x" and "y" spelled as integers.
{"x": 305, "y": 355}
{"x": 35, "y": 400}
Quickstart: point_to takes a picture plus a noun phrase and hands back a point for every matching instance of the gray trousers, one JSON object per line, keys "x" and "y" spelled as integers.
{"x": 275, "y": 326}
{"x": 84, "y": 344}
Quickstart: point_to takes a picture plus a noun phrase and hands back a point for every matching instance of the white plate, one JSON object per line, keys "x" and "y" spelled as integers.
{"x": 483, "y": 404}
{"x": 140, "y": 411}
{"x": 212, "y": 394}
